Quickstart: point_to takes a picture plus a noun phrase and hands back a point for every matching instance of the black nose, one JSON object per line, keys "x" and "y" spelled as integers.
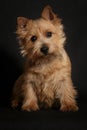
{"x": 44, "y": 49}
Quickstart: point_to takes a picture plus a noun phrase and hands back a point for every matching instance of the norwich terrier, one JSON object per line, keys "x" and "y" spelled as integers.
{"x": 47, "y": 72}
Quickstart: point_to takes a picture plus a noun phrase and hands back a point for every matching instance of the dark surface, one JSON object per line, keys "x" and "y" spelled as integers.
{"x": 74, "y": 15}
{"x": 44, "y": 119}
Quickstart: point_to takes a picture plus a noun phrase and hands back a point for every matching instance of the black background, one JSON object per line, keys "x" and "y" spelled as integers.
{"x": 74, "y": 18}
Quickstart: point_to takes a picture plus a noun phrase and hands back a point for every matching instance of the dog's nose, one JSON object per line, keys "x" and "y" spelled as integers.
{"x": 44, "y": 49}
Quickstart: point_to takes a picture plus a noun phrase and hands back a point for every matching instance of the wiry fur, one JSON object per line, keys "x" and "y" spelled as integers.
{"x": 46, "y": 78}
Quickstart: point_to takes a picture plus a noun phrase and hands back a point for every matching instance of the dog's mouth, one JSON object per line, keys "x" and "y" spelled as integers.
{"x": 42, "y": 56}
{"x": 45, "y": 58}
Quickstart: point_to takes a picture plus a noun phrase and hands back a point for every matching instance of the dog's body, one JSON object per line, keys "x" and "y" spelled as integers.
{"x": 47, "y": 74}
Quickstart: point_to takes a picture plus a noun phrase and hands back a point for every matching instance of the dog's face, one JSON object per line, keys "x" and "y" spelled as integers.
{"x": 41, "y": 37}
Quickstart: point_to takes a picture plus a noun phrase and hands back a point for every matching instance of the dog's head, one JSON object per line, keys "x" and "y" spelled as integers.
{"x": 41, "y": 37}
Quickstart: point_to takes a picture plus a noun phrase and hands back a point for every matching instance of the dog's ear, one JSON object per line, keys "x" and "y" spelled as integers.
{"x": 48, "y": 14}
{"x": 22, "y": 22}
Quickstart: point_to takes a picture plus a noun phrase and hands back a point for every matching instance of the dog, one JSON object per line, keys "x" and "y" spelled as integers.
{"x": 46, "y": 79}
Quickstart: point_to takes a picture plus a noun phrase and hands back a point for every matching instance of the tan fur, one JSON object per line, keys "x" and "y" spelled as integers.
{"x": 46, "y": 78}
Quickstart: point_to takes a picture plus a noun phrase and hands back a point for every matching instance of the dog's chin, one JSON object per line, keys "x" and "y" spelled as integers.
{"x": 41, "y": 57}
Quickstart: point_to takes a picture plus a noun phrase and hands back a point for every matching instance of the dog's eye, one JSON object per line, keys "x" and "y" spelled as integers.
{"x": 49, "y": 34}
{"x": 33, "y": 38}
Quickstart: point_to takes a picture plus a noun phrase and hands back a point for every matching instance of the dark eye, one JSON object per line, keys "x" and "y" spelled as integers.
{"x": 49, "y": 34}
{"x": 33, "y": 38}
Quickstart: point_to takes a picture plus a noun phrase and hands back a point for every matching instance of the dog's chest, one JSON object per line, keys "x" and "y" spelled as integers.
{"x": 44, "y": 84}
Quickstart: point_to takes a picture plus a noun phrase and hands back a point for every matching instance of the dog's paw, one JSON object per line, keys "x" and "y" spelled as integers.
{"x": 71, "y": 107}
{"x": 32, "y": 106}
{"x": 14, "y": 104}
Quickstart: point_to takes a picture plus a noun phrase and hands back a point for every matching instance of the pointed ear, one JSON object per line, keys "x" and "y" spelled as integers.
{"x": 22, "y": 22}
{"x": 48, "y": 14}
